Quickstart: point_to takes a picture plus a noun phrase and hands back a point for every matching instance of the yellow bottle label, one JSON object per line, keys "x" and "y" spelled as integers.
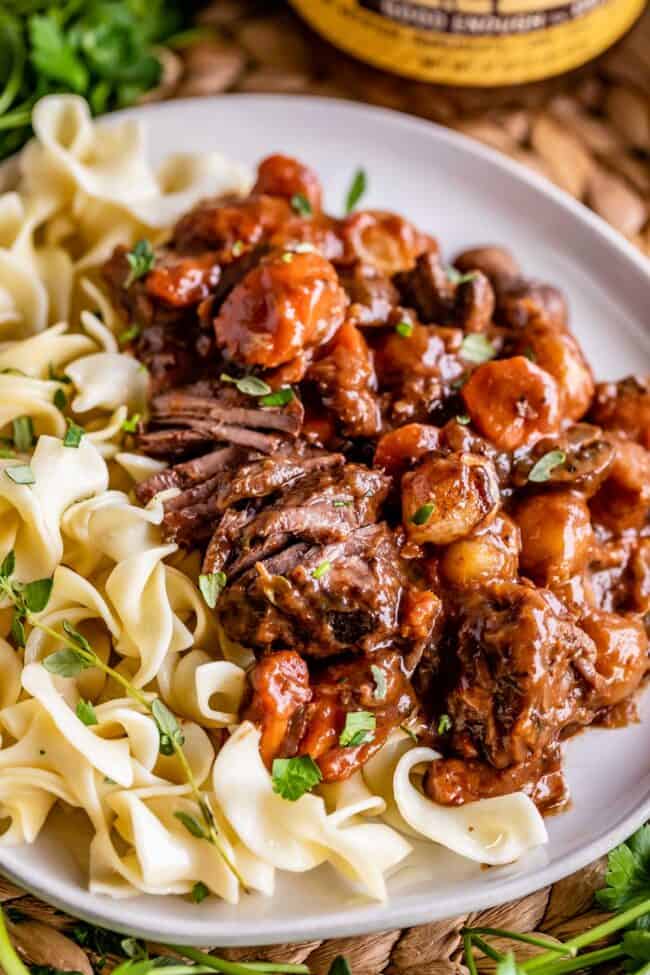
{"x": 472, "y": 42}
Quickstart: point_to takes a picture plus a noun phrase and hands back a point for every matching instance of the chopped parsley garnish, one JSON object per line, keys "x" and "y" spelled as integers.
{"x": 249, "y": 385}
{"x": 476, "y": 348}
{"x": 287, "y": 257}
{"x": 73, "y": 435}
{"x": 422, "y": 515}
{"x": 237, "y": 248}
{"x": 457, "y": 277}
{"x": 60, "y": 400}
{"x": 541, "y": 471}
{"x": 279, "y": 398}
{"x": 358, "y": 187}
{"x": 322, "y": 569}
{"x": 301, "y": 205}
{"x": 212, "y": 585}
{"x": 342, "y": 502}
{"x": 379, "y": 678}
{"x": 21, "y": 474}
{"x": 293, "y": 777}
{"x": 130, "y": 425}
{"x": 168, "y": 727}
{"x": 405, "y": 329}
{"x": 463, "y": 419}
{"x": 199, "y": 892}
{"x": 192, "y": 825}
{"x": 141, "y": 260}
{"x": 86, "y": 712}
{"x": 445, "y": 724}
{"x": 23, "y": 433}
{"x": 129, "y": 334}
{"x": 359, "y": 729}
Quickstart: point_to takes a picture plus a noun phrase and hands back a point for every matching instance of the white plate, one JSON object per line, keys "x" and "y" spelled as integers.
{"x": 465, "y": 194}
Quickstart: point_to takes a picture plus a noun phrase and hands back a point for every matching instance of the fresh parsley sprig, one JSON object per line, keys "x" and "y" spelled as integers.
{"x": 627, "y": 891}
{"x": 30, "y": 599}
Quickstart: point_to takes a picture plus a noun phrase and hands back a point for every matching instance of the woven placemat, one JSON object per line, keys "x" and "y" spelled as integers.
{"x": 590, "y": 134}
{"x": 45, "y": 936}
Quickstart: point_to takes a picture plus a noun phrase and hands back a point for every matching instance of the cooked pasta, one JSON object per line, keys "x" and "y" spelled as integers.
{"x": 120, "y": 693}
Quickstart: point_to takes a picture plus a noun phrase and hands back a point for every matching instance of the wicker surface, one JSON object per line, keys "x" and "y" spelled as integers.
{"x": 590, "y": 134}
{"x": 41, "y": 934}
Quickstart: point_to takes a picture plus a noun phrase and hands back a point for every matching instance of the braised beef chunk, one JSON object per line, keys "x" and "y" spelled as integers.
{"x": 344, "y": 595}
{"x": 512, "y": 670}
{"x": 303, "y": 713}
{"x": 414, "y": 497}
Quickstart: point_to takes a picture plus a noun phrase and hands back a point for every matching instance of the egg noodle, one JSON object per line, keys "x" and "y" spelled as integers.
{"x": 94, "y": 740}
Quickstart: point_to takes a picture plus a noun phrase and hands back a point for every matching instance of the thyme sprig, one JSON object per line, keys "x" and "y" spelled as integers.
{"x": 30, "y": 599}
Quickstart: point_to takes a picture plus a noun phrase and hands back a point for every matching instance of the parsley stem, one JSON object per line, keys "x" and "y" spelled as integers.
{"x": 487, "y": 949}
{"x": 582, "y": 961}
{"x": 147, "y": 703}
{"x": 529, "y": 939}
{"x": 594, "y": 934}
{"x": 9, "y": 960}
{"x": 470, "y": 961}
{"x": 235, "y": 968}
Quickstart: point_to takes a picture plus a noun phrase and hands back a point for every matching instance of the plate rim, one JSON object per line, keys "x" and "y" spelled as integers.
{"x": 203, "y": 930}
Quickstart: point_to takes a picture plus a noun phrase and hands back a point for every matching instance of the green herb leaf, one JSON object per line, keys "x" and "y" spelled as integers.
{"x": 250, "y": 385}
{"x": 37, "y": 594}
{"x": 463, "y": 419}
{"x": 66, "y": 663}
{"x": 340, "y": 966}
{"x": 379, "y": 678}
{"x": 279, "y": 398}
{"x": 129, "y": 334}
{"x": 405, "y": 329}
{"x": 130, "y": 425}
{"x": 628, "y": 873}
{"x": 23, "y": 433}
{"x": 192, "y": 825}
{"x": 211, "y": 586}
{"x": 8, "y": 566}
{"x": 60, "y": 400}
{"x": 141, "y": 260}
{"x": 293, "y": 777}
{"x": 18, "y": 628}
{"x": 73, "y": 435}
{"x": 422, "y": 515}
{"x": 169, "y": 729}
{"x": 199, "y": 892}
{"x": 237, "y": 248}
{"x": 358, "y": 187}
{"x": 342, "y": 502}
{"x": 541, "y": 471}
{"x": 476, "y": 348}
{"x": 77, "y": 638}
{"x": 301, "y": 204}
{"x": 457, "y": 277}
{"x": 86, "y": 712}
{"x": 52, "y": 53}
{"x": 359, "y": 729}
{"x": 133, "y": 948}
{"x": 445, "y": 724}
{"x": 20, "y": 474}
{"x": 322, "y": 569}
